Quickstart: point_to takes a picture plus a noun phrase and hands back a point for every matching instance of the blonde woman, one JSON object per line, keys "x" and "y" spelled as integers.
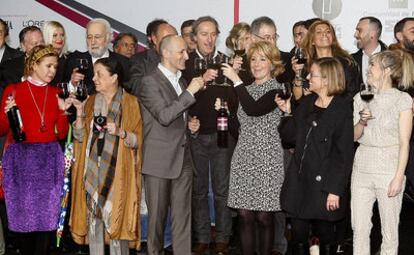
{"x": 382, "y": 127}
{"x": 54, "y": 34}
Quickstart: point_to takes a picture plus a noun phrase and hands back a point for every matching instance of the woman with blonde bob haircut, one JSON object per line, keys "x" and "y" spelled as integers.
{"x": 315, "y": 191}
{"x": 383, "y": 128}
{"x": 55, "y": 35}
{"x": 257, "y": 173}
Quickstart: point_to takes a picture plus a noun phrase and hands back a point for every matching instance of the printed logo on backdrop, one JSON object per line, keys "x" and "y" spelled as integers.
{"x": 397, "y": 4}
{"x": 327, "y": 9}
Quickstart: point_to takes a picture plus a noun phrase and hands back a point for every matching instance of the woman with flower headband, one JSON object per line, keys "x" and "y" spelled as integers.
{"x": 33, "y": 169}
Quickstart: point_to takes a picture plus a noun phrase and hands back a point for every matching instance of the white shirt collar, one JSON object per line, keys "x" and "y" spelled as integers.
{"x": 202, "y": 57}
{"x": 168, "y": 73}
{"x": 2, "y": 51}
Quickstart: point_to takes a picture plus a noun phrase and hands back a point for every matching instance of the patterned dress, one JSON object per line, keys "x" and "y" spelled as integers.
{"x": 257, "y": 173}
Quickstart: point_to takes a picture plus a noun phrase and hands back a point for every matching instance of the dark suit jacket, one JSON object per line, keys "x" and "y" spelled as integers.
{"x": 323, "y": 158}
{"x": 165, "y": 135}
{"x": 10, "y": 53}
{"x": 71, "y": 64}
{"x": 358, "y": 58}
{"x": 141, "y": 64}
{"x": 12, "y": 70}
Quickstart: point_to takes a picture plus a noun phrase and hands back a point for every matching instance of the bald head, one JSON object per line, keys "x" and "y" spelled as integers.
{"x": 173, "y": 51}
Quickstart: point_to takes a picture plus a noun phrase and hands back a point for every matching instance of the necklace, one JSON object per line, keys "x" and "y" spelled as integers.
{"x": 41, "y": 113}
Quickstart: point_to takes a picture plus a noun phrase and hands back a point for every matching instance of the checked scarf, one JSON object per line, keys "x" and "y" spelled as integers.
{"x": 99, "y": 171}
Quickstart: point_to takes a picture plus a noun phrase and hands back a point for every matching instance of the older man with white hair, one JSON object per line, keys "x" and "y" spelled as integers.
{"x": 98, "y": 37}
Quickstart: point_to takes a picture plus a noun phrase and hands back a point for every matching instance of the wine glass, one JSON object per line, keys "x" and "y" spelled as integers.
{"x": 239, "y": 51}
{"x": 63, "y": 90}
{"x": 367, "y": 93}
{"x": 214, "y": 63}
{"x": 200, "y": 66}
{"x": 81, "y": 91}
{"x": 300, "y": 56}
{"x": 285, "y": 93}
{"x": 83, "y": 65}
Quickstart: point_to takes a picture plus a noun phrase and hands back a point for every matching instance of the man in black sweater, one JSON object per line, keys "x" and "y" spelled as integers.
{"x": 207, "y": 156}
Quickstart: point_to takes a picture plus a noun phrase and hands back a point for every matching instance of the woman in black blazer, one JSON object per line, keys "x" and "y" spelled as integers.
{"x": 315, "y": 187}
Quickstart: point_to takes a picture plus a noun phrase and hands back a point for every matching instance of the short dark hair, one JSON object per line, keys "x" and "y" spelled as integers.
{"x": 25, "y": 30}
{"x": 297, "y": 24}
{"x": 187, "y": 23}
{"x": 259, "y": 22}
{"x": 374, "y": 21}
{"x": 152, "y": 29}
{"x": 399, "y": 26}
{"x": 6, "y": 27}
{"x": 309, "y": 22}
{"x": 113, "y": 66}
{"x": 200, "y": 20}
{"x": 122, "y": 35}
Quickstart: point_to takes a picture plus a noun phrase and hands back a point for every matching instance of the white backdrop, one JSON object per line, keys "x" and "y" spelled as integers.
{"x": 344, "y": 14}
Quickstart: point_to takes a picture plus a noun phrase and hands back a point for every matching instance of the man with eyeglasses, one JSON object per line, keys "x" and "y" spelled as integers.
{"x": 264, "y": 29}
{"x": 125, "y": 44}
{"x": 98, "y": 37}
{"x": 187, "y": 35}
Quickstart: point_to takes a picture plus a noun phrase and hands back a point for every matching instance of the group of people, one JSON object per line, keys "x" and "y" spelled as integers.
{"x": 302, "y": 144}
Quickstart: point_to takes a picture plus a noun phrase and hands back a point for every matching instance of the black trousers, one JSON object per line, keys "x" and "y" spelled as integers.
{"x": 34, "y": 243}
{"x": 302, "y": 229}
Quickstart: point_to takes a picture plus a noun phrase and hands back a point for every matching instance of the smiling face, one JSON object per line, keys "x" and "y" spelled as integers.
{"x": 45, "y": 69}
{"x": 261, "y": 67}
{"x": 206, "y": 37}
{"x": 375, "y": 74}
{"x": 32, "y": 39}
{"x": 363, "y": 34}
{"x": 266, "y": 33}
{"x": 175, "y": 55}
{"x": 58, "y": 39}
{"x": 323, "y": 36}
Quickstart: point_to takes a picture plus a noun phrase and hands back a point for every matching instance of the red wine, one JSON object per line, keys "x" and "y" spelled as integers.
{"x": 284, "y": 95}
{"x": 302, "y": 60}
{"x": 367, "y": 97}
{"x": 81, "y": 97}
{"x": 214, "y": 66}
{"x": 239, "y": 52}
{"x": 222, "y": 125}
{"x": 16, "y": 123}
{"x": 200, "y": 72}
{"x": 83, "y": 70}
{"x": 63, "y": 94}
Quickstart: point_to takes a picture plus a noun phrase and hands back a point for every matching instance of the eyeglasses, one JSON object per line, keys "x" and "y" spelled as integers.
{"x": 268, "y": 37}
{"x": 96, "y": 37}
{"x": 129, "y": 45}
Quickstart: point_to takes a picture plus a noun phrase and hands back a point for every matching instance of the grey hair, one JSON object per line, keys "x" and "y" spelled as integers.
{"x": 105, "y": 23}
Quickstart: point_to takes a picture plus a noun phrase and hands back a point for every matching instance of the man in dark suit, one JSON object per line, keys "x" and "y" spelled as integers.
{"x": 167, "y": 165}
{"x": 13, "y": 68}
{"x": 143, "y": 63}
{"x": 367, "y": 34}
{"x": 98, "y": 37}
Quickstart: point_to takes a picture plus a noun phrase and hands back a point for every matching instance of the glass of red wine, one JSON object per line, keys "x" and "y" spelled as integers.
{"x": 200, "y": 66}
{"x": 285, "y": 93}
{"x": 63, "y": 90}
{"x": 83, "y": 65}
{"x": 367, "y": 93}
{"x": 300, "y": 56}
{"x": 239, "y": 51}
{"x": 81, "y": 91}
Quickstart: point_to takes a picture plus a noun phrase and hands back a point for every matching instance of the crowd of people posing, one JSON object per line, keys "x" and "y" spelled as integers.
{"x": 316, "y": 136}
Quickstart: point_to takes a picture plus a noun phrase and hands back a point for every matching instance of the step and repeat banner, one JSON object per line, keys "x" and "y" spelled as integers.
{"x": 134, "y": 15}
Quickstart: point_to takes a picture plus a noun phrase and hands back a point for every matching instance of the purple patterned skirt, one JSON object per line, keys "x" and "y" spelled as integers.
{"x": 33, "y": 180}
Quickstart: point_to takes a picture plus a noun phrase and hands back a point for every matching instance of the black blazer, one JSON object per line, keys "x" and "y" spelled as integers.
{"x": 358, "y": 58}
{"x": 71, "y": 64}
{"x": 10, "y": 53}
{"x": 12, "y": 70}
{"x": 322, "y": 161}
